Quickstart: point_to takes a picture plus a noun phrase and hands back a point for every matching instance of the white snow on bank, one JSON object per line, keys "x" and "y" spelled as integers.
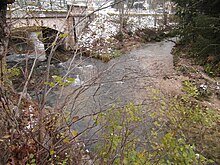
{"x": 136, "y": 23}
{"x": 100, "y": 28}
{"x": 101, "y": 31}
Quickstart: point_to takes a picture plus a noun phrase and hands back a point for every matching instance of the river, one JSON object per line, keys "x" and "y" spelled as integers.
{"x": 98, "y": 86}
{"x": 125, "y": 79}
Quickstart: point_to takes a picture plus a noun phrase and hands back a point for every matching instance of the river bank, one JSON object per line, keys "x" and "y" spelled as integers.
{"x": 96, "y": 86}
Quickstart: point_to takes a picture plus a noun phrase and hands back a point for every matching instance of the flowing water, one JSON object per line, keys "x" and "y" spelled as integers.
{"x": 98, "y": 86}
{"x": 125, "y": 79}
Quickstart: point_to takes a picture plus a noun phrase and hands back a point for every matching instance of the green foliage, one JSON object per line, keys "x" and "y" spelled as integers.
{"x": 178, "y": 151}
{"x": 199, "y": 28}
{"x": 175, "y": 138}
{"x": 116, "y": 53}
{"x": 208, "y": 69}
{"x": 13, "y": 72}
{"x": 174, "y": 122}
{"x": 118, "y": 142}
{"x": 60, "y": 81}
{"x": 193, "y": 91}
{"x": 63, "y": 35}
{"x": 106, "y": 57}
{"x": 187, "y": 122}
{"x": 32, "y": 160}
{"x": 190, "y": 89}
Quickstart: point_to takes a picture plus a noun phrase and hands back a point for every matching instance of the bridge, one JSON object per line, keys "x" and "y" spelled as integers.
{"x": 48, "y": 22}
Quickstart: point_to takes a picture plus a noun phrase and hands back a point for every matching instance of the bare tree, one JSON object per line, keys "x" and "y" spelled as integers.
{"x": 50, "y": 134}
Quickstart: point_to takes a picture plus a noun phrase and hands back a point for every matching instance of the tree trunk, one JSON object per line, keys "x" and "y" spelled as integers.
{"x": 3, "y": 52}
{"x": 121, "y": 16}
{"x": 4, "y": 38}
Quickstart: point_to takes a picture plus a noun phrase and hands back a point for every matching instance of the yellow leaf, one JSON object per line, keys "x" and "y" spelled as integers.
{"x": 66, "y": 140}
{"x": 54, "y": 43}
{"x": 63, "y": 35}
{"x": 74, "y": 133}
{"x": 52, "y": 152}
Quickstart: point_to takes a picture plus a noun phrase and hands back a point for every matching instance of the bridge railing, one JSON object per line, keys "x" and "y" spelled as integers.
{"x": 40, "y": 4}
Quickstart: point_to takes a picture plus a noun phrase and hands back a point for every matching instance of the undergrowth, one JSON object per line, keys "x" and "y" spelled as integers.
{"x": 183, "y": 132}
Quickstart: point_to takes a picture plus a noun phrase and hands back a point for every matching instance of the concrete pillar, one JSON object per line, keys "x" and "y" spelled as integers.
{"x": 70, "y": 40}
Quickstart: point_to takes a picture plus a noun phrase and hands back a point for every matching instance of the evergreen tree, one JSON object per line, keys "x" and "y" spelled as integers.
{"x": 200, "y": 28}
